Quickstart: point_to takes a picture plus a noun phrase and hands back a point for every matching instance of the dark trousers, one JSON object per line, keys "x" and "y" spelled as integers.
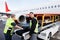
{"x": 20, "y": 32}
{"x": 8, "y": 37}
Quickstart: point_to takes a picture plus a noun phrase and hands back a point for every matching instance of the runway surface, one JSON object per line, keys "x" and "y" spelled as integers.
{"x": 16, "y": 37}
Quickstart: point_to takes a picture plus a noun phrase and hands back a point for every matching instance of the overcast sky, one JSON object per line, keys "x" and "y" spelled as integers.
{"x": 24, "y": 4}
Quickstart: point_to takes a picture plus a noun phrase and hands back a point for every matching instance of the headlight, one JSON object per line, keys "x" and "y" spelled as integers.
{"x": 43, "y": 34}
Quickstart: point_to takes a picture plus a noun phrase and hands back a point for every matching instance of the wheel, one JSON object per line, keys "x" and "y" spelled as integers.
{"x": 49, "y": 36}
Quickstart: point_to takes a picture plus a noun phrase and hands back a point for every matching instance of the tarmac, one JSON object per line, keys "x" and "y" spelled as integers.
{"x": 16, "y": 37}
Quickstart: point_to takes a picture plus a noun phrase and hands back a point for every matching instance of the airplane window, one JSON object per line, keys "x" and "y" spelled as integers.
{"x": 45, "y": 7}
{"x": 55, "y": 6}
{"x": 37, "y": 9}
{"x": 42, "y": 7}
{"x": 51, "y": 6}
{"x": 58, "y": 5}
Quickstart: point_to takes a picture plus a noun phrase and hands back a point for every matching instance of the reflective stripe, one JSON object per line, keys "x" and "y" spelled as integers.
{"x": 36, "y": 29}
{"x": 8, "y": 25}
{"x": 30, "y": 23}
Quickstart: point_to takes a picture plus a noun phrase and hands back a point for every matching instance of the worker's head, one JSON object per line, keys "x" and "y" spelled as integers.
{"x": 21, "y": 18}
{"x": 31, "y": 14}
{"x": 8, "y": 15}
{"x": 13, "y": 16}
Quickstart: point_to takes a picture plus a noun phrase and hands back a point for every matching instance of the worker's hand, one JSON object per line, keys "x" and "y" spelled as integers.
{"x": 18, "y": 27}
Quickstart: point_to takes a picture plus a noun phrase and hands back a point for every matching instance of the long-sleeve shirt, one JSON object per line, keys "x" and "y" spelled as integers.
{"x": 34, "y": 22}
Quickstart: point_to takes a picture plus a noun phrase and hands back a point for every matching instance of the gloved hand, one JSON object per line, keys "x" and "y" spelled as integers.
{"x": 13, "y": 33}
{"x": 30, "y": 34}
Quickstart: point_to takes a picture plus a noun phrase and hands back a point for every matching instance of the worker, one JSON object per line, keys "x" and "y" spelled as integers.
{"x": 25, "y": 26}
{"x": 33, "y": 27}
{"x": 9, "y": 26}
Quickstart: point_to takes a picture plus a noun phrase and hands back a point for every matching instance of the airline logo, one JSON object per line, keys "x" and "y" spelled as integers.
{"x": 6, "y": 7}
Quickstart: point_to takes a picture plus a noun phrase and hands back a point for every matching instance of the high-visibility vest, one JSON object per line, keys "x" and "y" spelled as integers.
{"x": 36, "y": 29}
{"x": 8, "y": 25}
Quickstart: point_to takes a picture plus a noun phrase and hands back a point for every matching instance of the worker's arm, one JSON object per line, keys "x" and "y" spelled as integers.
{"x": 16, "y": 26}
{"x": 16, "y": 21}
{"x": 34, "y": 22}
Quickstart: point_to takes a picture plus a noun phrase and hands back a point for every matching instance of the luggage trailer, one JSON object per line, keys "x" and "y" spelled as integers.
{"x": 48, "y": 25}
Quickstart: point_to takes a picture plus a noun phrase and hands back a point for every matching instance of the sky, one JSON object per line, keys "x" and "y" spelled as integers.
{"x": 25, "y": 4}
{"x": 1, "y": 5}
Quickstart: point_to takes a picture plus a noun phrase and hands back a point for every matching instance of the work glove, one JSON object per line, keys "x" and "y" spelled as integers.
{"x": 13, "y": 33}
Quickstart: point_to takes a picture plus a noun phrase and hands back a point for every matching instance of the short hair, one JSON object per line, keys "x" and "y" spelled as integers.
{"x": 31, "y": 13}
{"x": 22, "y": 18}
